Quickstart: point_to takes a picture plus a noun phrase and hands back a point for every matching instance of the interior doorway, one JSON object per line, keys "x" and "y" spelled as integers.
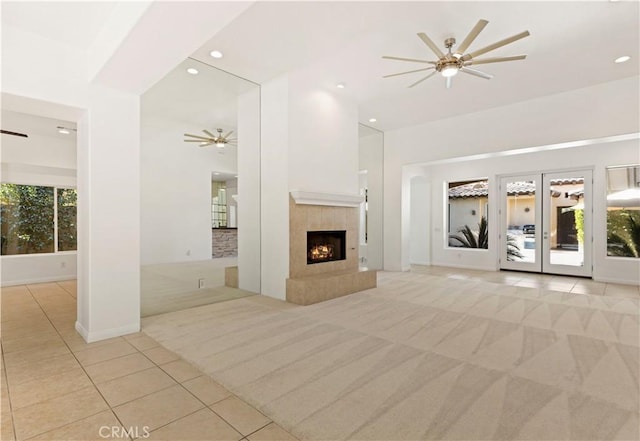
{"x": 546, "y": 221}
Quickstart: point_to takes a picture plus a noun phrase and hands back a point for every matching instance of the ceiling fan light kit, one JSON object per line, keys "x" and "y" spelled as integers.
{"x": 450, "y": 63}
{"x": 219, "y": 140}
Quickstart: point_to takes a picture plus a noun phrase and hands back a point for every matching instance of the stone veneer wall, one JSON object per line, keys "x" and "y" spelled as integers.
{"x": 303, "y": 218}
{"x": 224, "y": 242}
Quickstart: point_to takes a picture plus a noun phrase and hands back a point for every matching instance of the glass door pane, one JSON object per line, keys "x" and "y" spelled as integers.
{"x": 567, "y": 223}
{"x": 520, "y": 223}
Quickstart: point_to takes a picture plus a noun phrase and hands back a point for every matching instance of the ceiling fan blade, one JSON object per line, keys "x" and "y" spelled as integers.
{"x": 449, "y": 81}
{"x": 408, "y": 72}
{"x": 197, "y": 136}
{"x": 495, "y": 60}
{"x": 209, "y": 133}
{"x": 476, "y": 73}
{"x": 496, "y": 45}
{"x": 425, "y": 78}
{"x": 9, "y": 132}
{"x": 415, "y": 60}
{"x": 197, "y": 140}
{"x": 472, "y": 36}
{"x": 227, "y": 135}
{"x": 431, "y": 44}
{"x": 205, "y": 144}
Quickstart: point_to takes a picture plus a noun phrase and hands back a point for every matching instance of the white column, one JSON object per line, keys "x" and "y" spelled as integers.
{"x": 274, "y": 187}
{"x": 109, "y": 215}
{"x": 249, "y": 190}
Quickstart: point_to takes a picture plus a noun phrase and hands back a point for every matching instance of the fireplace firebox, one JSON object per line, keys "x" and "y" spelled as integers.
{"x": 325, "y": 246}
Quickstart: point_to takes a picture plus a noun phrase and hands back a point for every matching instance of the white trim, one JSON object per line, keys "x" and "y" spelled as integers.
{"x": 91, "y": 337}
{"x": 471, "y": 267}
{"x": 420, "y": 263}
{"x": 57, "y": 253}
{"x": 525, "y": 150}
{"x": 39, "y": 280}
{"x": 328, "y": 199}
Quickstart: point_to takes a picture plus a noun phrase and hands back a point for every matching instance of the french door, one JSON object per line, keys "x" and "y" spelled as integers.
{"x": 546, "y": 222}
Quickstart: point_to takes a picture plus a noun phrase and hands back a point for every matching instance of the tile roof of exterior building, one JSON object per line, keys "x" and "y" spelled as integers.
{"x": 521, "y": 188}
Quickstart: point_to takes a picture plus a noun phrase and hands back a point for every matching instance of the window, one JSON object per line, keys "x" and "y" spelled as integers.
{"x": 467, "y": 213}
{"x": 623, "y": 211}
{"x": 28, "y": 221}
{"x": 219, "y": 205}
{"x": 67, "y": 218}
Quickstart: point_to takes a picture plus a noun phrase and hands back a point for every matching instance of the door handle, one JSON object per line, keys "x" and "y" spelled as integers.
{"x": 545, "y": 235}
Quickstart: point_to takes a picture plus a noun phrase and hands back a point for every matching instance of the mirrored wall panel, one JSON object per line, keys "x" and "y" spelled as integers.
{"x": 371, "y": 187}
{"x": 199, "y": 196}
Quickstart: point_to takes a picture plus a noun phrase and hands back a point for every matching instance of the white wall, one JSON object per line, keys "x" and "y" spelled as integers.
{"x": 597, "y": 157}
{"x": 598, "y": 111}
{"x": 323, "y": 136}
{"x": 38, "y": 268}
{"x": 175, "y": 184}
{"x": 419, "y": 238}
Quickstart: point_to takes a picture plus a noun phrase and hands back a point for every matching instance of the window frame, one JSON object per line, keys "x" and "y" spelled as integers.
{"x": 55, "y": 220}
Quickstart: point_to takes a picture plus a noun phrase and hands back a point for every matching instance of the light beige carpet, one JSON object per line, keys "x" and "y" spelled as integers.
{"x": 425, "y": 357}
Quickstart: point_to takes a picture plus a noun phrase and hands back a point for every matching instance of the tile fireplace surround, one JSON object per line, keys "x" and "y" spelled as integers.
{"x": 313, "y": 283}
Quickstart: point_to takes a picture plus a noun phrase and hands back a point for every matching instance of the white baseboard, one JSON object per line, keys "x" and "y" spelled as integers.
{"x": 104, "y": 334}
{"x": 633, "y": 282}
{"x": 421, "y": 263}
{"x": 38, "y": 280}
{"x": 469, "y": 267}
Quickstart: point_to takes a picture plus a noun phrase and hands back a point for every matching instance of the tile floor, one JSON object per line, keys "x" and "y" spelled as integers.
{"x": 576, "y": 285}
{"x": 54, "y": 386}
{"x": 57, "y": 387}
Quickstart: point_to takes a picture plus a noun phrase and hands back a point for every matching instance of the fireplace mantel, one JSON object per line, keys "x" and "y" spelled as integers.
{"x": 328, "y": 199}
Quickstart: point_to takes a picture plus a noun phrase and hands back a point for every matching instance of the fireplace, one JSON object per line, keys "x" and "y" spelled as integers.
{"x": 325, "y": 246}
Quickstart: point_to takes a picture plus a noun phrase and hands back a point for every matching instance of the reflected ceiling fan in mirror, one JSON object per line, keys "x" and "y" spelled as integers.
{"x": 219, "y": 140}
{"x": 451, "y": 63}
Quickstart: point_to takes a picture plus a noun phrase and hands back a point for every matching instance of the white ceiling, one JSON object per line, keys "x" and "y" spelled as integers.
{"x": 74, "y": 23}
{"x": 572, "y": 45}
{"x": 36, "y": 125}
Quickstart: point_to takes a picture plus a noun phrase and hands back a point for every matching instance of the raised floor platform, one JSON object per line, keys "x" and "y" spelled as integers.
{"x": 320, "y": 287}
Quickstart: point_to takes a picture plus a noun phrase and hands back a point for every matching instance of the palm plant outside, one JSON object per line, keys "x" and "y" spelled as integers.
{"x": 468, "y": 238}
{"x": 624, "y": 238}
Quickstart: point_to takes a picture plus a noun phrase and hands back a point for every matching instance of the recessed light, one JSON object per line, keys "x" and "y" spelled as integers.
{"x": 372, "y": 120}
{"x": 340, "y": 85}
{"x": 192, "y": 71}
{"x": 622, "y": 59}
{"x": 216, "y": 54}
{"x": 63, "y": 131}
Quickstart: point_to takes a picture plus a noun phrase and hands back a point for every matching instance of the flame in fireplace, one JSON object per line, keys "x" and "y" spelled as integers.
{"x": 321, "y": 252}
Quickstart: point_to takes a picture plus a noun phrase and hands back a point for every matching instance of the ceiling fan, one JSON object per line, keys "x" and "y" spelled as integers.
{"x": 451, "y": 63}
{"x": 218, "y": 140}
